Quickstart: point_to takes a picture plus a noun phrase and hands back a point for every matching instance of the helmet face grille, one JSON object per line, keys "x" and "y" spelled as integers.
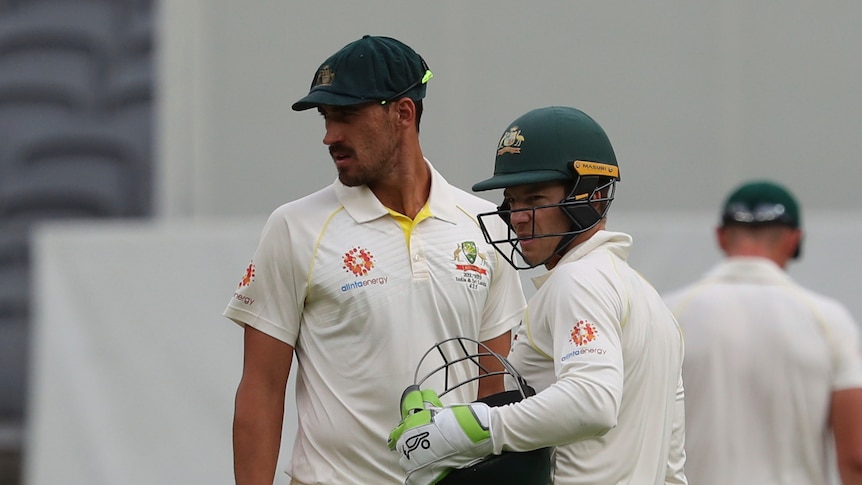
{"x": 523, "y": 468}
{"x": 585, "y": 206}
{"x": 454, "y": 362}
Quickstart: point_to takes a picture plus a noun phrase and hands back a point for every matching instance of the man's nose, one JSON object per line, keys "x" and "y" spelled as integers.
{"x": 333, "y": 134}
{"x": 520, "y": 216}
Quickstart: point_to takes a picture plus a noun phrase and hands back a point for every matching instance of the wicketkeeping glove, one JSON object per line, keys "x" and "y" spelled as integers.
{"x": 432, "y": 440}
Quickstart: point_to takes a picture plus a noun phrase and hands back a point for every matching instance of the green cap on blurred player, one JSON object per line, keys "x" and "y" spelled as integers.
{"x": 761, "y": 202}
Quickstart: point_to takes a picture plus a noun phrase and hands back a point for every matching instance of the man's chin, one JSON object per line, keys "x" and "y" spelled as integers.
{"x": 531, "y": 259}
{"x": 536, "y": 258}
{"x": 349, "y": 181}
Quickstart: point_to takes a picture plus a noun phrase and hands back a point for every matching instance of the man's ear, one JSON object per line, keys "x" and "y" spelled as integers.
{"x": 721, "y": 238}
{"x": 405, "y": 108}
{"x": 797, "y": 244}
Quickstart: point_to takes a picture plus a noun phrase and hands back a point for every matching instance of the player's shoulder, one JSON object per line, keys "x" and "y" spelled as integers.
{"x": 322, "y": 201}
{"x": 305, "y": 214}
{"x": 468, "y": 201}
{"x": 678, "y": 293}
{"x": 471, "y": 202}
{"x": 590, "y": 273}
{"x": 700, "y": 293}
{"x": 830, "y": 309}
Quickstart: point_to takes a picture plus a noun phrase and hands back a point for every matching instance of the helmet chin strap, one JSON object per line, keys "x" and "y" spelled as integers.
{"x": 575, "y": 227}
{"x": 563, "y": 246}
{"x": 582, "y": 216}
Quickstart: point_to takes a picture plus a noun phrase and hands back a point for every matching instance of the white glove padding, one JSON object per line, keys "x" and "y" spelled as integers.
{"x": 432, "y": 440}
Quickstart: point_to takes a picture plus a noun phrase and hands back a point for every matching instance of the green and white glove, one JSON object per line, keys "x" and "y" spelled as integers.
{"x": 432, "y": 440}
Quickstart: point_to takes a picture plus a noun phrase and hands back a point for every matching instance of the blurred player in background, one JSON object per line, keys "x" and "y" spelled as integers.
{"x": 598, "y": 344}
{"x": 359, "y": 279}
{"x": 771, "y": 368}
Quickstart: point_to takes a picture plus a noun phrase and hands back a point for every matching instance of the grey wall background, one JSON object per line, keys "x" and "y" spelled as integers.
{"x": 695, "y": 96}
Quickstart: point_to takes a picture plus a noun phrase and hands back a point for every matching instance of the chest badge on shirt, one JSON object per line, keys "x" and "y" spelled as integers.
{"x": 472, "y": 263}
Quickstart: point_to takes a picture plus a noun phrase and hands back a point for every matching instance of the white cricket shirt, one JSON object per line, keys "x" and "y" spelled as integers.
{"x": 605, "y": 355}
{"x": 763, "y": 356}
{"x": 334, "y": 277}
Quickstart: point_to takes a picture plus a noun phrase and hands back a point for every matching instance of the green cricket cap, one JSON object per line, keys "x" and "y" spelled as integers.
{"x": 548, "y": 144}
{"x": 761, "y": 202}
{"x": 370, "y": 69}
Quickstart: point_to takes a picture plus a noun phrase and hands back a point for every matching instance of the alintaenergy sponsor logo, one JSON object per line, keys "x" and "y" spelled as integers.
{"x": 583, "y": 333}
{"x": 248, "y": 277}
{"x": 245, "y": 281}
{"x": 363, "y": 283}
{"x": 358, "y": 261}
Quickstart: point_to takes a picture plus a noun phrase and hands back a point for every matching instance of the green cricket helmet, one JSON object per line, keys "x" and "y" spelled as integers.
{"x": 555, "y": 143}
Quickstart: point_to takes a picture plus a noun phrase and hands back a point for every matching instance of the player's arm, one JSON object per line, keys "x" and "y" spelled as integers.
{"x": 494, "y": 384}
{"x": 259, "y": 407}
{"x": 588, "y": 387}
{"x": 846, "y": 423}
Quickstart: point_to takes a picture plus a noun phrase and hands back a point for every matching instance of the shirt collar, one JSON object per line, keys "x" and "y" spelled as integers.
{"x": 617, "y": 243}
{"x": 363, "y": 206}
{"x": 748, "y": 269}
